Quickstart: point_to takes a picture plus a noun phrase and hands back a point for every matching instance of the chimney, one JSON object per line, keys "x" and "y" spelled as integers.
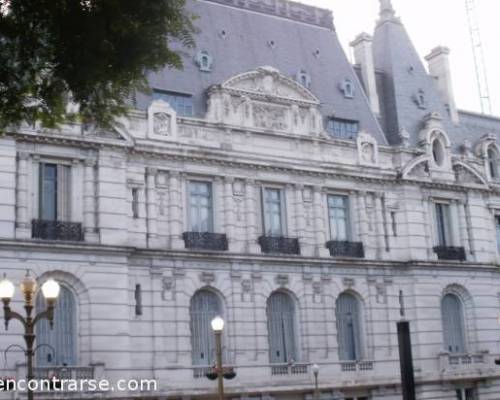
{"x": 439, "y": 68}
{"x": 363, "y": 56}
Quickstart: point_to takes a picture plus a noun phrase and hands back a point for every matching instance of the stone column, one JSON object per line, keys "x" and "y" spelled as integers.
{"x": 151, "y": 207}
{"x": 379, "y": 225}
{"x": 89, "y": 202}
{"x": 229, "y": 212}
{"x": 319, "y": 223}
{"x": 218, "y": 197}
{"x": 22, "y": 221}
{"x": 251, "y": 216}
{"x": 175, "y": 211}
{"x": 464, "y": 232}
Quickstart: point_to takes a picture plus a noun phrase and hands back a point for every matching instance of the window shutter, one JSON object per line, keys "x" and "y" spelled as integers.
{"x": 205, "y": 305}
{"x": 281, "y": 328}
{"x": 57, "y": 346}
{"x": 453, "y": 324}
{"x": 348, "y": 327}
{"x": 63, "y": 193}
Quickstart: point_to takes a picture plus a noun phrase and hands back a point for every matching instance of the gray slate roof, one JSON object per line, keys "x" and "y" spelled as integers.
{"x": 245, "y": 48}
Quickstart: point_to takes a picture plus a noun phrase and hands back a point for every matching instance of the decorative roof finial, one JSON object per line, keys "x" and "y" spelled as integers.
{"x": 386, "y": 10}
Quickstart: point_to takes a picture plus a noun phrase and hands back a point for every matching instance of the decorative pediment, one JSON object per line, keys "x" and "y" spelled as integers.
{"x": 162, "y": 121}
{"x": 465, "y": 174}
{"x": 267, "y": 100}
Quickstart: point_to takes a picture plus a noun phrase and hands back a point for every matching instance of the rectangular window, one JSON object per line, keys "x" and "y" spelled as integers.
{"x": 443, "y": 224}
{"x": 497, "y": 224}
{"x": 135, "y": 203}
{"x": 338, "y": 213}
{"x": 273, "y": 211}
{"x": 138, "y": 299}
{"x": 54, "y": 192}
{"x": 342, "y": 128}
{"x": 200, "y": 206}
{"x": 466, "y": 394}
{"x": 181, "y": 103}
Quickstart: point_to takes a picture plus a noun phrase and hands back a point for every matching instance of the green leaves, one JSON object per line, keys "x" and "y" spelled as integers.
{"x": 96, "y": 50}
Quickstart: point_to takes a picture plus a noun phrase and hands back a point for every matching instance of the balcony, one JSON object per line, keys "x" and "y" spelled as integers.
{"x": 279, "y": 245}
{"x": 205, "y": 241}
{"x": 56, "y": 230}
{"x": 289, "y": 369}
{"x": 450, "y": 253}
{"x": 356, "y": 366}
{"x": 64, "y": 372}
{"x": 466, "y": 365}
{"x": 345, "y": 249}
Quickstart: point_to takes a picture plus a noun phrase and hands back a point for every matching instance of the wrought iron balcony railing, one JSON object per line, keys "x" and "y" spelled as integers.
{"x": 205, "y": 241}
{"x": 345, "y": 249}
{"x": 279, "y": 244}
{"x": 450, "y": 253}
{"x": 56, "y": 230}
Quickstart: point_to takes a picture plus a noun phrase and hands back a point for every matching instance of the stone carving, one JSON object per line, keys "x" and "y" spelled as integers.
{"x": 463, "y": 175}
{"x": 270, "y": 117}
{"x": 348, "y": 282}
{"x": 420, "y": 171}
{"x": 282, "y": 280}
{"x": 367, "y": 149}
{"x": 168, "y": 288}
{"x": 161, "y": 123}
{"x": 367, "y": 153}
{"x": 404, "y": 136}
{"x": 207, "y": 277}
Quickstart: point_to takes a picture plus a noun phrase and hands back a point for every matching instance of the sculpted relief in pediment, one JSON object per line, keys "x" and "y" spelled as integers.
{"x": 267, "y": 100}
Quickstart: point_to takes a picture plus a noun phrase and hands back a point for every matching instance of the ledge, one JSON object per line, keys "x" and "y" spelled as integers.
{"x": 279, "y": 245}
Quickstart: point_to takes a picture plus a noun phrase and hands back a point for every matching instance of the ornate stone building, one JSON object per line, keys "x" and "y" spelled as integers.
{"x": 273, "y": 183}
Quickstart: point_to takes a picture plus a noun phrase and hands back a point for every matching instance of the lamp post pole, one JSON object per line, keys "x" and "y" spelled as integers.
{"x": 50, "y": 290}
{"x": 218, "y": 326}
{"x": 315, "y": 370}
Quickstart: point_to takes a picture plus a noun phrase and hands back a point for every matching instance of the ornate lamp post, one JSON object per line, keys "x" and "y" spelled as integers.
{"x": 218, "y": 327}
{"x": 50, "y": 290}
{"x": 315, "y": 371}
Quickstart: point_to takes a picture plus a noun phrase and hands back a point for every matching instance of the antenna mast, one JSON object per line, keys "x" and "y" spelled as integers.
{"x": 477, "y": 49}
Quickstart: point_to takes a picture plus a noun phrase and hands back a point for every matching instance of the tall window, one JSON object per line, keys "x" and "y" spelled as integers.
{"x": 273, "y": 211}
{"x": 493, "y": 162}
{"x": 281, "y": 328}
{"x": 54, "y": 190}
{"x": 453, "y": 324}
{"x": 342, "y": 128}
{"x": 497, "y": 225}
{"x": 443, "y": 224}
{"x": 348, "y": 327}
{"x": 205, "y": 306}
{"x": 57, "y": 346}
{"x": 181, "y": 103}
{"x": 200, "y": 206}
{"x": 466, "y": 394}
{"x": 338, "y": 212}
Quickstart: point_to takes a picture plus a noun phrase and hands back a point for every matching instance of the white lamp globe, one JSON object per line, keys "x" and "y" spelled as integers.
{"x": 51, "y": 289}
{"x": 315, "y": 369}
{"x": 7, "y": 289}
{"x": 217, "y": 324}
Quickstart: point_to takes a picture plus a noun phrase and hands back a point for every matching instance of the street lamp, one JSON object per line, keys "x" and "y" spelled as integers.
{"x": 218, "y": 326}
{"x": 315, "y": 371}
{"x": 50, "y": 291}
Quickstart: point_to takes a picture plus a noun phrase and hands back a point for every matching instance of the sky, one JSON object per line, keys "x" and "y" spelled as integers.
{"x": 431, "y": 23}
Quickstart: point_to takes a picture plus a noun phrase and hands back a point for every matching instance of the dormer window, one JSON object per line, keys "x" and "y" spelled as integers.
{"x": 492, "y": 155}
{"x": 204, "y": 61}
{"x": 303, "y": 78}
{"x": 180, "y": 102}
{"x": 347, "y": 88}
{"x": 342, "y": 128}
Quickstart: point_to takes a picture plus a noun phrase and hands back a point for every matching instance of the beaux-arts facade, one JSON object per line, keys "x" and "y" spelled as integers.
{"x": 306, "y": 229}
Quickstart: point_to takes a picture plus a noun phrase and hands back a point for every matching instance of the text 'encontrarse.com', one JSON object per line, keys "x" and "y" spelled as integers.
{"x": 78, "y": 385}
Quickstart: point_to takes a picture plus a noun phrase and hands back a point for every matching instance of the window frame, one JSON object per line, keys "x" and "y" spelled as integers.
{"x": 63, "y": 202}
{"x": 357, "y": 334}
{"x": 348, "y": 220}
{"x": 458, "y": 324}
{"x": 210, "y": 207}
{"x": 344, "y": 134}
{"x": 184, "y": 108}
{"x": 444, "y": 231}
{"x": 282, "y": 212}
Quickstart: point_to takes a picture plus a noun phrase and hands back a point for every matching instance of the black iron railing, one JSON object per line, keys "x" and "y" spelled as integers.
{"x": 450, "y": 253}
{"x": 279, "y": 244}
{"x": 56, "y": 230}
{"x": 345, "y": 249}
{"x": 205, "y": 241}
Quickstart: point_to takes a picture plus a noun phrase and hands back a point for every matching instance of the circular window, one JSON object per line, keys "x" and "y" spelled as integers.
{"x": 438, "y": 152}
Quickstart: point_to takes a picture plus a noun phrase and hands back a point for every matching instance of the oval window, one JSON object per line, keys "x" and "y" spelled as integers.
{"x": 438, "y": 152}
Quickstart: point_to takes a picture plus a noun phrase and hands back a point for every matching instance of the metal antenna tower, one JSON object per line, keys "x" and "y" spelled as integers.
{"x": 477, "y": 49}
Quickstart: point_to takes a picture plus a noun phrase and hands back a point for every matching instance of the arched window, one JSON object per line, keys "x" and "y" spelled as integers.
{"x": 453, "y": 323}
{"x": 493, "y": 162}
{"x": 281, "y": 328}
{"x": 348, "y": 327}
{"x": 57, "y": 346}
{"x": 205, "y": 305}
{"x": 438, "y": 152}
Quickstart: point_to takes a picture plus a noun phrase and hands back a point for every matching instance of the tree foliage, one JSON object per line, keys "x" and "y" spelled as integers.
{"x": 95, "y": 53}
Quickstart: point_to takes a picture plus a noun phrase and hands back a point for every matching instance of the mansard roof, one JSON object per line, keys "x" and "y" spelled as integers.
{"x": 241, "y": 36}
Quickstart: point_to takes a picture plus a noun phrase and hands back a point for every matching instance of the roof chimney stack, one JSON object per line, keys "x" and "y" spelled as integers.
{"x": 363, "y": 56}
{"x": 439, "y": 68}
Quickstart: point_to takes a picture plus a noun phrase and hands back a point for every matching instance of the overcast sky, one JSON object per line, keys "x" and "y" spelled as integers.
{"x": 431, "y": 23}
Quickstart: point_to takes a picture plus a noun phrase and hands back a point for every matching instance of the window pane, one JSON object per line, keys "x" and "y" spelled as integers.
{"x": 453, "y": 324}
{"x": 342, "y": 128}
{"x": 348, "y": 327}
{"x": 181, "y": 103}
{"x": 442, "y": 221}
{"x": 281, "y": 328}
{"x": 200, "y": 203}
{"x": 339, "y": 217}
{"x": 273, "y": 212}
{"x": 498, "y": 232}
{"x": 48, "y": 192}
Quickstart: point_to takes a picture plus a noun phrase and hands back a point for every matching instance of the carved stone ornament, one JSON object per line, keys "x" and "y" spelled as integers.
{"x": 367, "y": 149}
{"x": 265, "y": 99}
{"x": 162, "y": 121}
